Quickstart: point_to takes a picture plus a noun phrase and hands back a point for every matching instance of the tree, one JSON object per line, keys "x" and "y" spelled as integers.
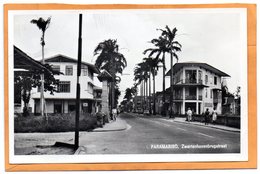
{"x": 165, "y": 44}
{"x": 172, "y": 47}
{"x": 128, "y": 94}
{"x": 43, "y": 25}
{"x": 111, "y": 60}
{"x": 141, "y": 73}
{"x": 27, "y": 80}
{"x": 153, "y": 64}
{"x": 237, "y": 95}
{"x": 160, "y": 49}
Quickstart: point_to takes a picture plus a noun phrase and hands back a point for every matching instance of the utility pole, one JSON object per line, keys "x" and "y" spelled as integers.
{"x": 76, "y": 145}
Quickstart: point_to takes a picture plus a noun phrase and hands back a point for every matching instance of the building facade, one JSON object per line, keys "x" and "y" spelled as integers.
{"x": 196, "y": 86}
{"x": 64, "y": 100}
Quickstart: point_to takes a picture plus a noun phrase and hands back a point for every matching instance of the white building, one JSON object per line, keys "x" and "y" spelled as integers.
{"x": 64, "y": 101}
{"x": 196, "y": 86}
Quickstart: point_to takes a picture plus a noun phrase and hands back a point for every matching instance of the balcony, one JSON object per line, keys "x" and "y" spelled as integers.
{"x": 216, "y": 100}
{"x": 190, "y": 97}
{"x": 177, "y": 97}
{"x": 189, "y": 82}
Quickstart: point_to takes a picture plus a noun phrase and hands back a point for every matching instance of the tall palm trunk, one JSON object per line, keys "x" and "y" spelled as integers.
{"x": 171, "y": 83}
{"x": 141, "y": 93}
{"x": 144, "y": 96}
{"x": 42, "y": 80}
{"x": 154, "y": 109}
{"x": 150, "y": 105}
{"x": 163, "y": 98}
{"x": 146, "y": 81}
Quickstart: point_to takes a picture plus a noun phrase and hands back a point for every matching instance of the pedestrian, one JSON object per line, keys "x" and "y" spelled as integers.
{"x": 189, "y": 115}
{"x": 214, "y": 116}
{"x": 206, "y": 114}
{"x": 114, "y": 114}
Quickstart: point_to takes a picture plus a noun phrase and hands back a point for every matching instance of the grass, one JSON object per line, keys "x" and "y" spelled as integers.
{"x": 55, "y": 123}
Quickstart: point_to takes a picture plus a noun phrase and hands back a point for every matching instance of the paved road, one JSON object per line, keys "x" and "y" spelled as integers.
{"x": 146, "y": 135}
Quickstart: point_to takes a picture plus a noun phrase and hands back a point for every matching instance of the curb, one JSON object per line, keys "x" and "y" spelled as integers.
{"x": 121, "y": 128}
{"x": 110, "y": 130}
{"x": 209, "y": 126}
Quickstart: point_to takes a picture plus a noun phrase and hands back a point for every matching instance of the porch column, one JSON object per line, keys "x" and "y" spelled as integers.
{"x": 197, "y": 107}
{"x": 104, "y": 96}
{"x": 183, "y": 100}
{"x": 197, "y": 93}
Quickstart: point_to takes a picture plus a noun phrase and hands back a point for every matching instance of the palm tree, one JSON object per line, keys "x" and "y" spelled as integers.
{"x": 165, "y": 44}
{"x": 141, "y": 73}
{"x": 43, "y": 25}
{"x": 172, "y": 47}
{"x": 153, "y": 64}
{"x": 111, "y": 60}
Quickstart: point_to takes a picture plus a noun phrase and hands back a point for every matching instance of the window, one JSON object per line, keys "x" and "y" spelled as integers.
{"x": 56, "y": 68}
{"x": 206, "y": 96}
{"x": 206, "y": 79}
{"x": 191, "y": 76}
{"x": 215, "y": 80}
{"x": 211, "y": 93}
{"x": 64, "y": 86}
{"x": 69, "y": 70}
{"x": 57, "y": 106}
{"x": 84, "y": 70}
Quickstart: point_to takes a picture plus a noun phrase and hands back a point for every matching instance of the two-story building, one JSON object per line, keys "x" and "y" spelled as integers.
{"x": 196, "y": 86}
{"x": 63, "y": 101}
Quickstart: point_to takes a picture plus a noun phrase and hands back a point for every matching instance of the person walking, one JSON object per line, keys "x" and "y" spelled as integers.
{"x": 114, "y": 114}
{"x": 189, "y": 115}
{"x": 214, "y": 116}
{"x": 207, "y": 116}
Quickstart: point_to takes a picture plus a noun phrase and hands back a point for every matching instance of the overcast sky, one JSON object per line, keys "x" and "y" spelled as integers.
{"x": 210, "y": 36}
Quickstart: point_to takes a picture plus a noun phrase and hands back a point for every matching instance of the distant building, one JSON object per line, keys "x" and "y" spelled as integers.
{"x": 64, "y": 101}
{"x": 196, "y": 86}
{"x": 138, "y": 102}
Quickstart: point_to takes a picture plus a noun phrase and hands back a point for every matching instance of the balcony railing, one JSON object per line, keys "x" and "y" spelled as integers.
{"x": 177, "y": 97}
{"x": 189, "y": 81}
{"x": 216, "y": 100}
{"x": 191, "y": 97}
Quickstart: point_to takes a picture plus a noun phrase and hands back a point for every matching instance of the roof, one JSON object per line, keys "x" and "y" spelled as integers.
{"x": 23, "y": 61}
{"x": 63, "y": 58}
{"x": 177, "y": 66}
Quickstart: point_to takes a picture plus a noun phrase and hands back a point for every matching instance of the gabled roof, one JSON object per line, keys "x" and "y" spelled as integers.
{"x": 63, "y": 58}
{"x": 23, "y": 61}
{"x": 177, "y": 66}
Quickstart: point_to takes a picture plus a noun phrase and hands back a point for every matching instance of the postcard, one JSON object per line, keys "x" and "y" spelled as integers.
{"x": 126, "y": 87}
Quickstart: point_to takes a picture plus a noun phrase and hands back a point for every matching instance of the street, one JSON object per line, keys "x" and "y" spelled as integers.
{"x": 150, "y": 135}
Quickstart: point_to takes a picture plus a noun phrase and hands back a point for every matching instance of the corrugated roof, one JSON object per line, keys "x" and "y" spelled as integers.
{"x": 63, "y": 58}
{"x": 177, "y": 66}
{"x": 23, "y": 61}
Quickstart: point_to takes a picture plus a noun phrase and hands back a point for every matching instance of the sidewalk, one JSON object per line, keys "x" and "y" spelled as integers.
{"x": 117, "y": 125}
{"x": 216, "y": 126}
{"x": 183, "y": 120}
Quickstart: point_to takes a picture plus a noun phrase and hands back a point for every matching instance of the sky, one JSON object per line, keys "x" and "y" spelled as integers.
{"x": 210, "y": 36}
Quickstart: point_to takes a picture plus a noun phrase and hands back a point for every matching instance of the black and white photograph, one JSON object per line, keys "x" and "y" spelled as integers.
{"x": 128, "y": 85}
